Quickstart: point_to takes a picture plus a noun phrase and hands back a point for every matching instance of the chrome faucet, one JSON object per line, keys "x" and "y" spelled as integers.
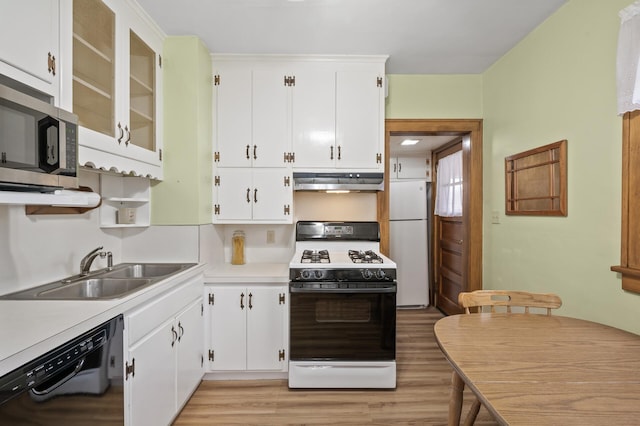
{"x": 85, "y": 263}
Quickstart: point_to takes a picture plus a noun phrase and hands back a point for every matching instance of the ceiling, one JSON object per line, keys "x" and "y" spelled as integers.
{"x": 426, "y": 144}
{"x": 420, "y": 36}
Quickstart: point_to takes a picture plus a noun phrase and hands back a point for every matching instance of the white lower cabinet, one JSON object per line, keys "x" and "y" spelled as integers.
{"x": 248, "y": 327}
{"x": 164, "y": 355}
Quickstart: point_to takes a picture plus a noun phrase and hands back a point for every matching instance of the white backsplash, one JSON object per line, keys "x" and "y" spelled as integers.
{"x": 338, "y": 207}
{"x": 38, "y": 249}
{"x": 215, "y": 243}
{"x": 257, "y": 248}
{"x": 161, "y": 244}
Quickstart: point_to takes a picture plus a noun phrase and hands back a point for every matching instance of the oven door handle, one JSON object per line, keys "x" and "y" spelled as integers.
{"x": 384, "y": 290}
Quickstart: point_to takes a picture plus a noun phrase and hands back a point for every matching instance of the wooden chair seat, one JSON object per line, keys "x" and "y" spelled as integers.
{"x": 505, "y": 300}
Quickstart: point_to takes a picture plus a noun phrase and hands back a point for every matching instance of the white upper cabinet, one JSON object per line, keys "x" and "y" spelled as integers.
{"x": 359, "y": 120}
{"x": 31, "y": 43}
{"x": 405, "y": 167}
{"x": 255, "y": 195}
{"x": 338, "y": 115}
{"x": 117, "y": 80}
{"x": 314, "y": 116}
{"x": 251, "y": 115}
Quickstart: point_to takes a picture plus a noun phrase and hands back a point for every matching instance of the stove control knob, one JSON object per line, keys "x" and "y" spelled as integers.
{"x": 305, "y": 274}
{"x": 380, "y": 274}
{"x": 367, "y": 274}
{"x": 318, "y": 274}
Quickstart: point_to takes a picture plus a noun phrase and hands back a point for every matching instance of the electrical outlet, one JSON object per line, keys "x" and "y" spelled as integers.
{"x": 271, "y": 236}
{"x": 495, "y": 216}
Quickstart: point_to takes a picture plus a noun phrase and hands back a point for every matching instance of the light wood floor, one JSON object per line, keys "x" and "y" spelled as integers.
{"x": 421, "y": 396}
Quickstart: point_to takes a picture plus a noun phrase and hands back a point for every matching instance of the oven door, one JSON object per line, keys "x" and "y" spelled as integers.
{"x": 342, "y": 324}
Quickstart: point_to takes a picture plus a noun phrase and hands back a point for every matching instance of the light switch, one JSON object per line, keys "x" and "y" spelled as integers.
{"x": 495, "y": 216}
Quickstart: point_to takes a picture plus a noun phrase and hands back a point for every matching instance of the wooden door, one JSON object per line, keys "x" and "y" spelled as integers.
{"x": 450, "y": 252}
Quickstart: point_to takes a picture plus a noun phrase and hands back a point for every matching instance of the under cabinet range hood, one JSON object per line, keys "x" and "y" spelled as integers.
{"x": 338, "y": 182}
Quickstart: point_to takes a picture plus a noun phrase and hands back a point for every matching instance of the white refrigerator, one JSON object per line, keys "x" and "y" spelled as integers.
{"x": 409, "y": 240}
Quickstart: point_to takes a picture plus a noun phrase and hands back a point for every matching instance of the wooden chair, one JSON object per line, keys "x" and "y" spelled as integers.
{"x": 480, "y": 299}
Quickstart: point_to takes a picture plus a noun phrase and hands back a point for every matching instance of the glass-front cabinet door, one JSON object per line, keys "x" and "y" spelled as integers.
{"x": 94, "y": 94}
{"x": 142, "y": 93}
{"x": 116, "y": 81}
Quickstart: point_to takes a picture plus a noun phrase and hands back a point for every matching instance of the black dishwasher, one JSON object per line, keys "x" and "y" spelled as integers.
{"x": 77, "y": 383}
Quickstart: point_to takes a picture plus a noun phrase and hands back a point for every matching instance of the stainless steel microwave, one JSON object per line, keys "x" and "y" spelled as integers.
{"x": 38, "y": 144}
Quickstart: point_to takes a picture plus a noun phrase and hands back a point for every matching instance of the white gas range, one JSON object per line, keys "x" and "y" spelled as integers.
{"x": 343, "y": 308}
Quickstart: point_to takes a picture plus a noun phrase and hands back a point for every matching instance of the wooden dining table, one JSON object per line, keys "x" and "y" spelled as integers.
{"x": 530, "y": 369}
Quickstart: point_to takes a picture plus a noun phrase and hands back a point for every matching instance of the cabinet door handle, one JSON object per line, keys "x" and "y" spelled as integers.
{"x": 250, "y": 304}
{"x": 255, "y": 154}
{"x": 174, "y": 335}
{"x": 395, "y": 167}
{"x": 51, "y": 63}
{"x": 241, "y": 300}
{"x": 248, "y": 192}
{"x": 255, "y": 195}
{"x": 126, "y": 142}
{"x": 121, "y": 132}
{"x": 331, "y": 153}
{"x": 181, "y": 331}
{"x": 339, "y": 152}
{"x": 399, "y": 167}
{"x": 247, "y": 153}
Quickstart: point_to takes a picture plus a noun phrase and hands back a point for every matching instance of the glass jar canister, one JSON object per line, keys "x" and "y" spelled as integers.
{"x": 237, "y": 248}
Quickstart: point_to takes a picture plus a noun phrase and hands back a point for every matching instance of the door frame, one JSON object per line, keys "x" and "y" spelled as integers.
{"x": 472, "y": 189}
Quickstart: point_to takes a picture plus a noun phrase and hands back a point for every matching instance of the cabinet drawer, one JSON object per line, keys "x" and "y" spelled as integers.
{"x": 146, "y": 318}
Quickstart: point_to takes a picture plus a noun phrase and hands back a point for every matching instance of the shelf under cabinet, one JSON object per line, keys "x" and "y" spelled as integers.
{"x": 124, "y": 192}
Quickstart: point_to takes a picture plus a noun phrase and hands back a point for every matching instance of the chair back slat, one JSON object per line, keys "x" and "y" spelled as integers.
{"x": 492, "y": 298}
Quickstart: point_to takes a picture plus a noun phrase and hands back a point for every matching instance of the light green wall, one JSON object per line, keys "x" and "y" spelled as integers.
{"x": 559, "y": 83}
{"x": 185, "y": 194}
{"x": 434, "y": 96}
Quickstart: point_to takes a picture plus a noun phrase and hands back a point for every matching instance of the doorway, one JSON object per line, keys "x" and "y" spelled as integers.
{"x": 469, "y": 134}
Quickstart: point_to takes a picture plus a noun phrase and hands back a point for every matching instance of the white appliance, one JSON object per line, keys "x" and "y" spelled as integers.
{"x": 409, "y": 240}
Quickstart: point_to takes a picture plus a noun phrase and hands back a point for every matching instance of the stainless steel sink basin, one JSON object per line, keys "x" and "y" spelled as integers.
{"x": 95, "y": 288}
{"x": 120, "y": 281}
{"x": 144, "y": 270}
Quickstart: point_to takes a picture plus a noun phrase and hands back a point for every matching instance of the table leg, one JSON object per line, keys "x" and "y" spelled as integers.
{"x": 455, "y": 399}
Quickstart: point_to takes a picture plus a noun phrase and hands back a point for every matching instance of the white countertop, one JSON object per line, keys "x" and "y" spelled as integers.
{"x": 248, "y": 273}
{"x": 30, "y": 328}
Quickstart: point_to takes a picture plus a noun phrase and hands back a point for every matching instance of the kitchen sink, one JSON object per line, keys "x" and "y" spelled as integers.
{"x": 103, "y": 284}
{"x": 95, "y": 288}
{"x": 144, "y": 270}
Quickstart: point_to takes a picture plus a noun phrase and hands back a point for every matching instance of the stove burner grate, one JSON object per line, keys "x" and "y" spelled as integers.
{"x": 368, "y": 256}
{"x": 313, "y": 256}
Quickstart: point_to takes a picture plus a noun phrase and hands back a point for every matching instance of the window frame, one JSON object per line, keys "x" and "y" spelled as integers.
{"x": 548, "y": 184}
